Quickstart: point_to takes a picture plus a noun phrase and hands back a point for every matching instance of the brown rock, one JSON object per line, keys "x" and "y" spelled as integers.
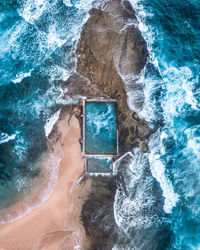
{"x": 110, "y": 47}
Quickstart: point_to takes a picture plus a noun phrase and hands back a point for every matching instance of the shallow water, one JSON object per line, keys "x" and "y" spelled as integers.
{"x": 99, "y": 165}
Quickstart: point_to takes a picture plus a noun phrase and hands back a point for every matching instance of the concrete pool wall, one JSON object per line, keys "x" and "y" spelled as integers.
{"x": 100, "y": 134}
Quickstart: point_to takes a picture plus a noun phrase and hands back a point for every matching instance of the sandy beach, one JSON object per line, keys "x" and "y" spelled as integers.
{"x": 55, "y": 224}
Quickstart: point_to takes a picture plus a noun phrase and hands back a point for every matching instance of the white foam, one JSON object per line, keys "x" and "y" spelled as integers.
{"x": 57, "y": 72}
{"x": 103, "y": 120}
{"x": 14, "y": 33}
{"x": 53, "y": 38}
{"x": 82, "y": 4}
{"x": 51, "y": 122}
{"x": 20, "y": 148}
{"x": 21, "y": 76}
{"x": 179, "y": 93}
{"x": 116, "y": 163}
{"x": 158, "y": 172}
{"x": 43, "y": 40}
{"x": 67, "y": 3}
{"x": 187, "y": 84}
{"x": 193, "y": 140}
{"x": 141, "y": 92}
{"x": 147, "y": 31}
{"x": 52, "y": 166}
{"x": 54, "y": 95}
{"x": 32, "y": 10}
{"x": 126, "y": 247}
{"x": 6, "y": 138}
{"x": 143, "y": 27}
{"x": 194, "y": 144}
{"x": 128, "y": 211}
{"x": 158, "y": 169}
{"x": 176, "y": 80}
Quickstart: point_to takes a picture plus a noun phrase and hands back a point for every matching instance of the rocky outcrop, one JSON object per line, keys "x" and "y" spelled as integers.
{"x": 97, "y": 214}
{"x": 111, "y": 51}
{"x": 111, "y": 48}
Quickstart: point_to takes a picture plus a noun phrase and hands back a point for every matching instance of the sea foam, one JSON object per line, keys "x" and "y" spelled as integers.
{"x": 6, "y": 138}
{"x": 158, "y": 172}
{"x": 146, "y": 101}
{"x": 33, "y": 200}
{"x": 21, "y": 76}
{"x": 51, "y": 122}
{"x": 136, "y": 205}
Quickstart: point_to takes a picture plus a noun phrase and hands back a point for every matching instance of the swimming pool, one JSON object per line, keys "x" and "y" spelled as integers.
{"x": 100, "y": 128}
{"x": 98, "y": 165}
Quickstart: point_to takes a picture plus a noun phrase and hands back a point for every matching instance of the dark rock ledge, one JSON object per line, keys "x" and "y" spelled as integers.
{"x": 110, "y": 46}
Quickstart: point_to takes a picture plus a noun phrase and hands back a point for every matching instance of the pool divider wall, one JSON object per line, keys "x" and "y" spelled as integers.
{"x": 101, "y": 156}
{"x": 99, "y": 100}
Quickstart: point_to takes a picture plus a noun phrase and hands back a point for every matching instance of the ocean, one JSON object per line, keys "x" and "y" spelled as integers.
{"x": 38, "y": 40}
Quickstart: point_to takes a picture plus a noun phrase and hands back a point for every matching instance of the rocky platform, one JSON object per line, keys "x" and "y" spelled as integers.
{"x": 111, "y": 48}
{"x": 110, "y": 51}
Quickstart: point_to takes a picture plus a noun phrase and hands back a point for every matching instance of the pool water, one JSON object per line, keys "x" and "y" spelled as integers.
{"x": 100, "y": 128}
{"x": 99, "y": 165}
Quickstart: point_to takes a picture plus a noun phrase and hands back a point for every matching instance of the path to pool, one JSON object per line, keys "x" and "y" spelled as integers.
{"x": 99, "y": 135}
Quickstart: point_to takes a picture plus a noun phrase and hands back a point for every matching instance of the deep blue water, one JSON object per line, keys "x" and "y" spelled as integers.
{"x": 37, "y": 40}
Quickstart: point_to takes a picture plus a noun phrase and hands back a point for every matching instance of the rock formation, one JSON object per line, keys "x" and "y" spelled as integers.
{"x": 111, "y": 49}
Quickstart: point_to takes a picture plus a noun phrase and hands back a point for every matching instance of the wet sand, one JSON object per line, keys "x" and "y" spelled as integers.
{"x": 55, "y": 224}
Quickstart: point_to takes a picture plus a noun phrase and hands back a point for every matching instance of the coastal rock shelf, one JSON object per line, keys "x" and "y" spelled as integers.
{"x": 111, "y": 49}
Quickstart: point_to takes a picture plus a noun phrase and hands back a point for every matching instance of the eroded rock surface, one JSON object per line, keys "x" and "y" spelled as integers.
{"x": 111, "y": 48}
{"x": 97, "y": 214}
{"x": 110, "y": 51}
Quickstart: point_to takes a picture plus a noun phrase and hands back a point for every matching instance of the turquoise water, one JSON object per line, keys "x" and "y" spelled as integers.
{"x": 99, "y": 165}
{"x": 100, "y": 128}
{"x": 37, "y": 41}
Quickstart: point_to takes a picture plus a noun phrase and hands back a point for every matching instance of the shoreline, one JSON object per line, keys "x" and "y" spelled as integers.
{"x": 56, "y": 221}
{"x": 43, "y": 187}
